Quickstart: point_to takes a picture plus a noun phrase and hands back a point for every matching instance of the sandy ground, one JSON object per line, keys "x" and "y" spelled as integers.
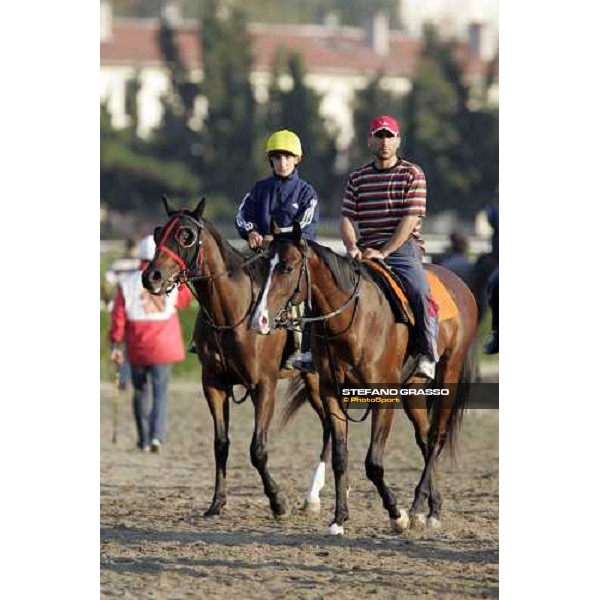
{"x": 155, "y": 543}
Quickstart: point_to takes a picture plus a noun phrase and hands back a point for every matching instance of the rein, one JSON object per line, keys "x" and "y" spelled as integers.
{"x": 299, "y": 321}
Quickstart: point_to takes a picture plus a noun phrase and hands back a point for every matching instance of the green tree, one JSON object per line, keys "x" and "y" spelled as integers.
{"x": 130, "y": 176}
{"x": 175, "y": 139}
{"x": 297, "y": 109}
{"x": 231, "y": 125}
{"x": 456, "y": 147}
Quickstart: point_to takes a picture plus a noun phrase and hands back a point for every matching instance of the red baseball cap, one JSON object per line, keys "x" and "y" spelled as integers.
{"x": 384, "y": 122}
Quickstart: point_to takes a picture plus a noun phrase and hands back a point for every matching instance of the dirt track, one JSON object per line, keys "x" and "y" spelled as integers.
{"x": 155, "y": 544}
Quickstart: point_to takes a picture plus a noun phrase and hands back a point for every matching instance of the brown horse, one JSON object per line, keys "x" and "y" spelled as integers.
{"x": 189, "y": 249}
{"x": 358, "y": 341}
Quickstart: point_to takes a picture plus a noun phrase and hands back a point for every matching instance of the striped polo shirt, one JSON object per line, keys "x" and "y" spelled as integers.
{"x": 377, "y": 199}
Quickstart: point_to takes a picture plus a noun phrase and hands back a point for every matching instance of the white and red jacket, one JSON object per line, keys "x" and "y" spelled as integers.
{"x": 148, "y": 324}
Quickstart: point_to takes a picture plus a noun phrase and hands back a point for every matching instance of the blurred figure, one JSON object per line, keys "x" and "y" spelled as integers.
{"x": 486, "y": 264}
{"x": 149, "y": 327}
{"x": 128, "y": 263}
{"x": 456, "y": 257}
{"x": 493, "y": 345}
{"x": 494, "y": 221}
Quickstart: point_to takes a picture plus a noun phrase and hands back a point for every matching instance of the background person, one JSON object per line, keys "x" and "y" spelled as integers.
{"x": 128, "y": 263}
{"x": 456, "y": 257}
{"x": 149, "y": 327}
{"x": 283, "y": 197}
{"x": 493, "y": 344}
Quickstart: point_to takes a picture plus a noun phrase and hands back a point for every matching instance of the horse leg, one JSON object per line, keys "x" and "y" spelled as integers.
{"x": 312, "y": 501}
{"x": 219, "y": 409}
{"x": 339, "y": 430}
{"x": 381, "y": 423}
{"x": 416, "y": 412}
{"x": 440, "y": 421}
{"x": 264, "y": 405}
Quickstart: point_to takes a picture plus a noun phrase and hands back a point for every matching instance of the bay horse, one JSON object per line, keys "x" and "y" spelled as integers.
{"x": 356, "y": 340}
{"x": 190, "y": 249}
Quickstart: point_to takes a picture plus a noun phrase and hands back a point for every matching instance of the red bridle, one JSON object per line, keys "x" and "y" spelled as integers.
{"x": 174, "y": 255}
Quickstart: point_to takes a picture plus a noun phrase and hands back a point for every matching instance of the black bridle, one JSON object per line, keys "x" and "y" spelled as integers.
{"x": 284, "y": 318}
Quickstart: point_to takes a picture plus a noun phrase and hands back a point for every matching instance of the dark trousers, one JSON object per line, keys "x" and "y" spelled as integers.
{"x": 407, "y": 265}
{"x": 150, "y": 417}
{"x": 493, "y": 289}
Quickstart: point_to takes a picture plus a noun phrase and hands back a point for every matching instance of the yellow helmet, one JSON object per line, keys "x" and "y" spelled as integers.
{"x": 284, "y": 141}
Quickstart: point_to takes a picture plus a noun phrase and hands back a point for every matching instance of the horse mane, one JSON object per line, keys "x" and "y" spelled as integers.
{"x": 342, "y": 268}
{"x": 234, "y": 258}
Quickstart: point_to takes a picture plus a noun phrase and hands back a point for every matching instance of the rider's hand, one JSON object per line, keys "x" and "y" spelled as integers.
{"x": 255, "y": 239}
{"x": 354, "y": 252}
{"x": 117, "y": 356}
{"x": 373, "y": 253}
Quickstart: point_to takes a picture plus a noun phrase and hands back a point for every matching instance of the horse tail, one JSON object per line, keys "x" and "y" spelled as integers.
{"x": 297, "y": 393}
{"x": 460, "y": 403}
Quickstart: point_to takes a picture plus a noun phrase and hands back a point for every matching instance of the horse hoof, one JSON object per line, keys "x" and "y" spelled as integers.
{"x": 284, "y": 516}
{"x": 335, "y": 529}
{"x": 311, "y": 506}
{"x": 433, "y": 523}
{"x": 401, "y": 523}
{"x": 212, "y": 512}
{"x": 418, "y": 520}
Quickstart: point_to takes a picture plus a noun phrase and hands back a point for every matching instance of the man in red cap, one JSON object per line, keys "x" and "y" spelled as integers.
{"x": 386, "y": 200}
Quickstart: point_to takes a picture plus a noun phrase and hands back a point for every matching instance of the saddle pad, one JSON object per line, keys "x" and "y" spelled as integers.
{"x": 447, "y": 308}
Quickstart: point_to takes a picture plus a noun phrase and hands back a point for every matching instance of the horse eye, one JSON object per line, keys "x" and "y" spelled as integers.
{"x": 186, "y": 237}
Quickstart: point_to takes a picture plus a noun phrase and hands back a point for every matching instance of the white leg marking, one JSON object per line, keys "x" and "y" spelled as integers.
{"x": 401, "y": 523}
{"x": 335, "y": 529}
{"x": 317, "y": 483}
{"x": 260, "y": 318}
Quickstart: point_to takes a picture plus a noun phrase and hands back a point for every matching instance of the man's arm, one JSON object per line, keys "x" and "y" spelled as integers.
{"x": 117, "y": 328}
{"x": 402, "y": 233}
{"x": 244, "y": 220}
{"x": 349, "y": 237}
{"x": 308, "y": 214}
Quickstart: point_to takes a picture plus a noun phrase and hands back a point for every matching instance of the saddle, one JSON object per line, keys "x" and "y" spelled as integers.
{"x": 392, "y": 288}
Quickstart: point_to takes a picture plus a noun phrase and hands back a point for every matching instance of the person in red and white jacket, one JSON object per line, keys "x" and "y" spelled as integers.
{"x": 149, "y": 328}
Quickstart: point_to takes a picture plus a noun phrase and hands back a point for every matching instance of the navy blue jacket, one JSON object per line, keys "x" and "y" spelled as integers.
{"x": 284, "y": 199}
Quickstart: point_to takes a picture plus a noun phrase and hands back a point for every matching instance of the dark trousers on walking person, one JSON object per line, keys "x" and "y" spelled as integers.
{"x": 407, "y": 266}
{"x": 150, "y": 416}
{"x": 493, "y": 292}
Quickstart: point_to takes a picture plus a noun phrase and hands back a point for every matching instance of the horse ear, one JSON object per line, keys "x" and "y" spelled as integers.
{"x": 199, "y": 210}
{"x": 297, "y": 231}
{"x": 170, "y": 210}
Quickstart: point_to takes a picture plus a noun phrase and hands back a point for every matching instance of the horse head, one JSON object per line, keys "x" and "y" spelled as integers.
{"x": 179, "y": 250}
{"x": 287, "y": 282}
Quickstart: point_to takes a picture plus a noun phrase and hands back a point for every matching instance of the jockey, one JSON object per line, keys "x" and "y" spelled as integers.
{"x": 285, "y": 198}
{"x": 386, "y": 199}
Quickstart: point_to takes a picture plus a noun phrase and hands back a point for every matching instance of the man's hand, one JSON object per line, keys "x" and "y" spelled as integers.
{"x": 117, "y": 357}
{"x": 255, "y": 239}
{"x": 372, "y": 253}
{"x": 267, "y": 239}
{"x": 354, "y": 252}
